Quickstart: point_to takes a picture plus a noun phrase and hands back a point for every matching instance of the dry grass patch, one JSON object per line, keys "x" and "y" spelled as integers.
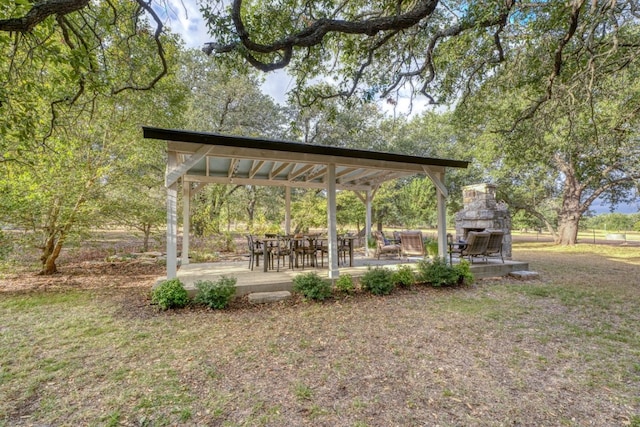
{"x": 560, "y": 351}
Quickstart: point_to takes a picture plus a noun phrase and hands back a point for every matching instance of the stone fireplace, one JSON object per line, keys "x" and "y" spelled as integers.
{"x": 481, "y": 212}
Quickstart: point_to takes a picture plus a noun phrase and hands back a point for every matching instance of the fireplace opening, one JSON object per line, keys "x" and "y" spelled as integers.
{"x": 467, "y": 230}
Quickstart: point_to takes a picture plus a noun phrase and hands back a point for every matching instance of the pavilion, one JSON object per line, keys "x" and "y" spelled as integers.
{"x": 199, "y": 158}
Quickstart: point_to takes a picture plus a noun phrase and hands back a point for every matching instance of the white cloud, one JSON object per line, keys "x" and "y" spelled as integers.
{"x": 183, "y": 17}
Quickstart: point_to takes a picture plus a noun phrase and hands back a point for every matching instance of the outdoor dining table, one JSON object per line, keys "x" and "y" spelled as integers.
{"x": 315, "y": 239}
{"x": 268, "y": 243}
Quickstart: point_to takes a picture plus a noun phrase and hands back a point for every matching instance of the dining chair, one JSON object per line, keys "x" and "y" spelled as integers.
{"x": 282, "y": 249}
{"x": 255, "y": 250}
{"x": 305, "y": 248}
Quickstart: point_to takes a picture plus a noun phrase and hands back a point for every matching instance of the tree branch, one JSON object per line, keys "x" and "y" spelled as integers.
{"x": 156, "y": 37}
{"x": 315, "y": 33}
{"x": 558, "y": 63}
{"x": 39, "y": 12}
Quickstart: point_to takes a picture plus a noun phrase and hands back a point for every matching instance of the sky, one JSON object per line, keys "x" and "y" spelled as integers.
{"x": 184, "y": 17}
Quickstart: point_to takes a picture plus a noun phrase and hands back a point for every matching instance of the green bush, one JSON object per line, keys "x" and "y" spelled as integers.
{"x": 378, "y": 281}
{"x": 403, "y": 276}
{"x": 217, "y": 294}
{"x": 345, "y": 285}
{"x": 170, "y": 294}
{"x": 438, "y": 273}
{"x": 312, "y": 286}
{"x": 432, "y": 247}
{"x": 464, "y": 272}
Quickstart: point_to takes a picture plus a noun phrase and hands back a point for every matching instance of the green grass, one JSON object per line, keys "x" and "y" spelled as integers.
{"x": 564, "y": 349}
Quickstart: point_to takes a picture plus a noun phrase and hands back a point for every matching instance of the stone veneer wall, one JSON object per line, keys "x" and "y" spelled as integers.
{"x": 481, "y": 211}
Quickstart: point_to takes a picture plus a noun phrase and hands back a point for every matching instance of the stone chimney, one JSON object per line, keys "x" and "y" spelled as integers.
{"x": 481, "y": 211}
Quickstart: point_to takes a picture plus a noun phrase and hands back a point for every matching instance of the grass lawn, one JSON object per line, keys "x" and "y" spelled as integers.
{"x": 564, "y": 350}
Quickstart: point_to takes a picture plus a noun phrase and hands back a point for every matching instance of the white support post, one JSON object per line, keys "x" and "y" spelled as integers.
{"x": 287, "y": 210}
{"x": 186, "y": 221}
{"x": 331, "y": 219}
{"x": 172, "y": 222}
{"x": 442, "y": 215}
{"x": 367, "y": 233}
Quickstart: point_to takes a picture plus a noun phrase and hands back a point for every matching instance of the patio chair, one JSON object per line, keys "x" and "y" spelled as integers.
{"x": 255, "y": 250}
{"x": 322, "y": 246}
{"x": 344, "y": 248}
{"x": 494, "y": 247}
{"x": 385, "y": 248}
{"x": 475, "y": 246}
{"x": 282, "y": 250}
{"x": 411, "y": 244}
{"x": 305, "y": 248}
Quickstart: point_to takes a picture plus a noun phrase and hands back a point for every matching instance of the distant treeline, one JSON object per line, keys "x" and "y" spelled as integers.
{"x": 613, "y": 222}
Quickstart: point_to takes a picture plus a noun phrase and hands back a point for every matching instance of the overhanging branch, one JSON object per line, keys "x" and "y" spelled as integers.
{"x": 41, "y": 11}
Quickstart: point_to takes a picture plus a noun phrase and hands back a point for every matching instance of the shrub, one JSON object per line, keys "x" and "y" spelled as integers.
{"x": 217, "y": 294}
{"x": 378, "y": 281}
{"x": 438, "y": 273}
{"x": 170, "y": 294}
{"x": 403, "y": 276}
{"x": 312, "y": 286}
{"x": 345, "y": 285}
{"x": 464, "y": 272}
{"x": 432, "y": 247}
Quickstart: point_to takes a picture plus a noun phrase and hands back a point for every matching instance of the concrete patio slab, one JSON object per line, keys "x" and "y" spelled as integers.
{"x": 249, "y": 281}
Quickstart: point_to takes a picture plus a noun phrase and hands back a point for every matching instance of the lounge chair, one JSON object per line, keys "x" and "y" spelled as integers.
{"x": 475, "y": 246}
{"x": 385, "y": 248}
{"x": 411, "y": 244}
{"x": 494, "y": 247}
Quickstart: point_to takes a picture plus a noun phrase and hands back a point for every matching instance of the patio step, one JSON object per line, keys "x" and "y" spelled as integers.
{"x": 264, "y": 297}
{"x": 525, "y": 275}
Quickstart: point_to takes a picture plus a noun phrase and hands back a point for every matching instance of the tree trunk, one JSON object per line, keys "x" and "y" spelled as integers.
{"x": 50, "y": 254}
{"x": 214, "y": 218}
{"x": 147, "y": 234}
{"x": 569, "y": 218}
{"x": 568, "y": 229}
{"x": 251, "y": 211}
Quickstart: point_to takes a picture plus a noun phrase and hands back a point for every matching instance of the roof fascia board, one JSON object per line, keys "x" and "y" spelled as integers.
{"x": 172, "y": 135}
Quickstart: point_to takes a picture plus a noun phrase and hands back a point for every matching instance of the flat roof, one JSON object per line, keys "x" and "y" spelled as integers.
{"x": 225, "y": 159}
